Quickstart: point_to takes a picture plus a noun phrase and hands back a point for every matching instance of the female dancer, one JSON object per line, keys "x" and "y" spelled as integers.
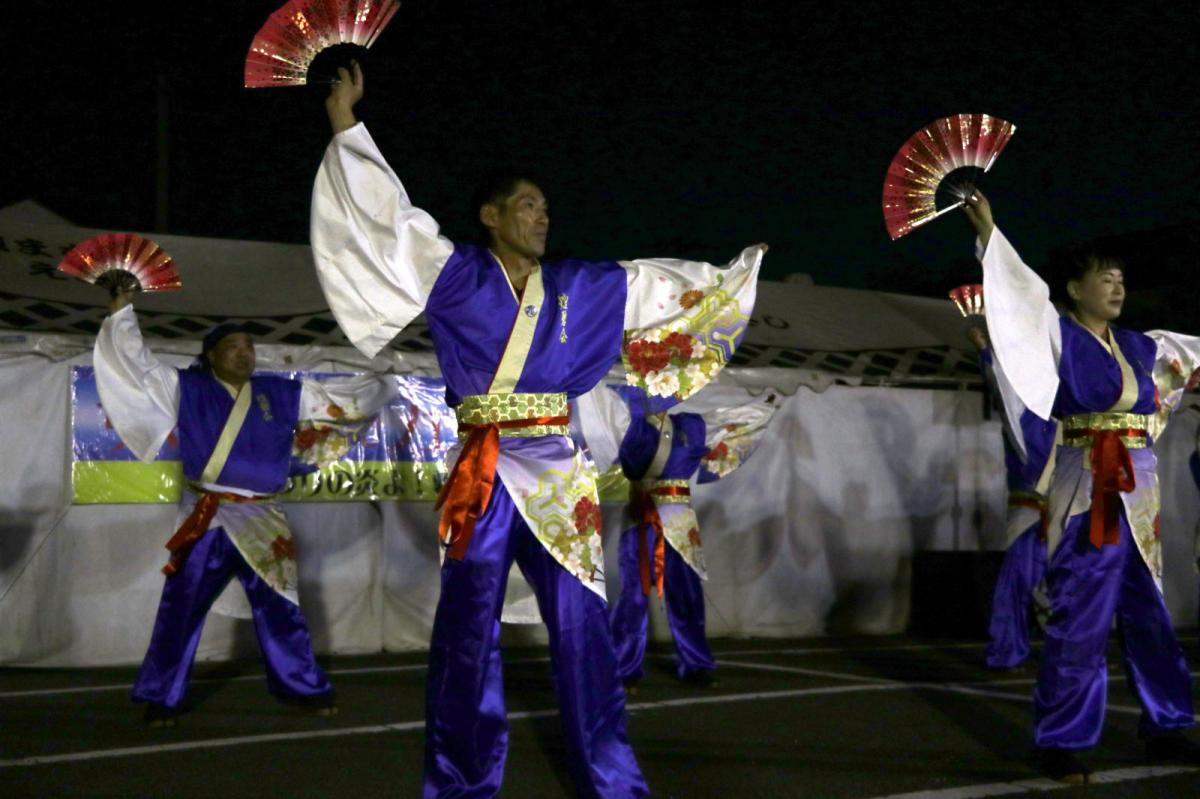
{"x": 1099, "y": 381}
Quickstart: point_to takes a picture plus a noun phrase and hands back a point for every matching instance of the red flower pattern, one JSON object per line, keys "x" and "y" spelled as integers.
{"x": 690, "y": 298}
{"x": 681, "y": 343}
{"x": 717, "y": 453}
{"x": 648, "y": 356}
{"x": 587, "y": 515}
{"x": 305, "y": 439}
{"x": 283, "y": 548}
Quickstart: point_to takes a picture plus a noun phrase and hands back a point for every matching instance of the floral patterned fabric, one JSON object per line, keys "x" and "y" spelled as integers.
{"x": 554, "y": 487}
{"x": 679, "y": 358}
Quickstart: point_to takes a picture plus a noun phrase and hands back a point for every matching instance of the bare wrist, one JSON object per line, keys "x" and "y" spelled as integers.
{"x": 340, "y": 117}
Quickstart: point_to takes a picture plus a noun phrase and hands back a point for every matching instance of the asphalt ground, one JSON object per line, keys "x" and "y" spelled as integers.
{"x": 823, "y": 717}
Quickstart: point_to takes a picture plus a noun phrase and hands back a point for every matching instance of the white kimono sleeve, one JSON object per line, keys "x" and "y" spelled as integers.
{"x": 335, "y": 411}
{"x": 346, "y": 399}
{"x": 732, "y": 434}
{"x": 604, "y": 418}
{"x": 1176, "y": 359}
{"x": 140, "y": 394}
{"x": 1023, "y": 326}
{"x": 377, "y": 256}
{"x": 668, "y": 299}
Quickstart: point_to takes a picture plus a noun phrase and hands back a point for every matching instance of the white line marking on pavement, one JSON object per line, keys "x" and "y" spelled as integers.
{"x": 240, "y": 678}
{"x": 1043, "y": 784}
{"x": 949, "y": 687}
{"x": 409, "y": 726}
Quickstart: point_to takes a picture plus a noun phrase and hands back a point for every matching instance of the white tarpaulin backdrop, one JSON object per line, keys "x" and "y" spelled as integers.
{"x": 818, "y": 530}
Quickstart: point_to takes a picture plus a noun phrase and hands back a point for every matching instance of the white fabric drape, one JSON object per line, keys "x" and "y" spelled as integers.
{"x": 815, "y": 533}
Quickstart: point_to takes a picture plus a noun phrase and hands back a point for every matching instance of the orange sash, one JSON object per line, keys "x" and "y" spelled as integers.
{"x": 465, "y": 496}
{"x": 647, "y": 513}
{"x": 196, "y": 525}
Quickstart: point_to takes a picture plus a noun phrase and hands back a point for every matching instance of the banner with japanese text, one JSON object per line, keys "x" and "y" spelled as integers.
{"x": 400, "y": 456}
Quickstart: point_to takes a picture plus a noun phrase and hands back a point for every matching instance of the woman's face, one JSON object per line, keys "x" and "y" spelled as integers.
{"x": 1100, "y": 293}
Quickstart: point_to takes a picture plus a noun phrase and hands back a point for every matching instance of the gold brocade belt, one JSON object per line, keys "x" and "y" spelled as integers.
{"x": 1080, "y": 430}
{"x": 666, "y": 492}
{"x": 478, "y": 410}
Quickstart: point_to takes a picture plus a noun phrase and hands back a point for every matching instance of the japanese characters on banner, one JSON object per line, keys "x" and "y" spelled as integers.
{"x": 37, "y": 258}
{"x": 401, "y": 456}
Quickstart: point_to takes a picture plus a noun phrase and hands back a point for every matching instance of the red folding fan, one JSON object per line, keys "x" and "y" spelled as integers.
{"x": 968, "y": 142}
{"x": 115, "y": 260}
{"x": 292, "y": 37}
{"x": 968, "y": 299}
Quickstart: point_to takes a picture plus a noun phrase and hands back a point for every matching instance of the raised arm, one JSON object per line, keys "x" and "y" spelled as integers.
{"x": 1022, "y": 322}
{"x": 377, "y": 256}
{"x": 140, "y": 394}
{"x": 684, "y": 320}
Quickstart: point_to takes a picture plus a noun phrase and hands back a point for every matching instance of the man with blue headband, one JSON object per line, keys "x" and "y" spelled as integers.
{"x": 241, "y": 435}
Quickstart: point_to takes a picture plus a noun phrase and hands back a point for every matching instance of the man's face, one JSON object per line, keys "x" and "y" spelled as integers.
{"x": 1100, "y": 293}
{"x": 521, "y": 223}
{"x": 232, "y": 360}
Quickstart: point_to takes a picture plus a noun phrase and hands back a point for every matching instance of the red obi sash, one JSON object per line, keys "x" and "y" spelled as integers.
{"x": 196, "y": 525}
{"x": 465, "y": 495}
{"x": 646, "y": 513}
{"x": 1109, "y": 436}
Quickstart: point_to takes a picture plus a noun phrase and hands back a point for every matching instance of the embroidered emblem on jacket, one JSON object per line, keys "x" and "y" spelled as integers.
{"x": 562, "y": 323}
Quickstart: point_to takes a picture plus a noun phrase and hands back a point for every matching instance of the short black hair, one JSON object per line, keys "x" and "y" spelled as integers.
{"x": 1073, "y": 261}
{"x": 494, "y": 188}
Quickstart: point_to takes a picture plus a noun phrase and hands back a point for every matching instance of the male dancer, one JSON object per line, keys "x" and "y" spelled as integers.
{"x": 660, "y": 454}
{"x": 515, "y": 339}
{"x": 237, "y": 438}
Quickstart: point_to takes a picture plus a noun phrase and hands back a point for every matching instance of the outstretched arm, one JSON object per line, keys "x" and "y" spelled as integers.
{"x": 684, "y": 320}
{"x": 377, "y": 256}
{"x": 140, "y": 394}
{"x": 733, "y": 433}
{"x": 335, "y": 411}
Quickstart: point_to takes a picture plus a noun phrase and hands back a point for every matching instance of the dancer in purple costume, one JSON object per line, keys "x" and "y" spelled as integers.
{"x": 1024, "y": 564}
{"x": 515, "y": 339}
{"x": 239, "y": 444}
{"x": 661, "y": 454}
{"x": 1102, "y": 383}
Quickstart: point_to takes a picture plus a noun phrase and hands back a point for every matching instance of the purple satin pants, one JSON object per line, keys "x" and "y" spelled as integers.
{"x": 684, "y": 599}
{"x": 1023, "y": 568}
{"x": 283, "y": 637}
{"x": 1088, "y": 587}
{"x": 466, "y": 728}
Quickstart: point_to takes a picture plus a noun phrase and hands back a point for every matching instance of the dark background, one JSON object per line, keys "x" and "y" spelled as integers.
{"x": 679, "y": 128}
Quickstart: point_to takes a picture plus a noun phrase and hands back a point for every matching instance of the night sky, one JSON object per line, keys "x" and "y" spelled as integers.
{"x": 658, "y": 129}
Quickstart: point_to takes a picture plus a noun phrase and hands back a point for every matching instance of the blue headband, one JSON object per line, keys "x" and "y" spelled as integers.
{"x": 213, "y": 337}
